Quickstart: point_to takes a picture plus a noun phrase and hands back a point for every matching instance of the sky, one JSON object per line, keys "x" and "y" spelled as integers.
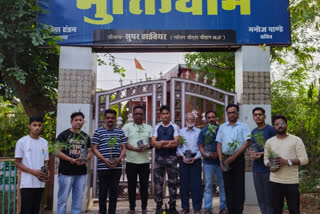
{"x": 152, "y": 63}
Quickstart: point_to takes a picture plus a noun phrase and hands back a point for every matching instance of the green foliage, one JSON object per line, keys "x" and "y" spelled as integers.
{"x": 29, "y": 70}
{"x": 234, "y": 145}
{"x": 13, "y": 125}
{"x": 271, "y": 153}
{"x": 259, "y": 139}
{"x": 182, "y": 141}
{"x": 214, "y": 65}
{"x": 112, "y": 141}
{"x": 112, "y": 62}
{"x": 208, "y": 135}
{"x": 299, "y": 100}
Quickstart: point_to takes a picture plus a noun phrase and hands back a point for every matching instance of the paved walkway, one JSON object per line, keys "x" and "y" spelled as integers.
{"x": 123, "y": 207}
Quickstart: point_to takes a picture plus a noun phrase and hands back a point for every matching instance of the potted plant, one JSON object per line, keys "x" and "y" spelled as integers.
{"x": 187, "y": 153}
{"x": 208, "y": 137}
{"x": 112, "y": 142}
{"x": 259, "y": 141}
{"x": 272, "y": 155}
{"x": 233, "y": 147}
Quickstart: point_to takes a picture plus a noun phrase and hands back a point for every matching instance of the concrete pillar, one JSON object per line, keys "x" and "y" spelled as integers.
{"x": 252, "y": 70}
{"x": 76, "y": 92}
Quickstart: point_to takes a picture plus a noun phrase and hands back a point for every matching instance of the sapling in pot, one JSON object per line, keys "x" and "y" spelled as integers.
{"x": 112, "y": 142}
{"x": 233, "y": 147}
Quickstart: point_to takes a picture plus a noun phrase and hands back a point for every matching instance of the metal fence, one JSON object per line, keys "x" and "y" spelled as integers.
{"x": 8, "y": 186}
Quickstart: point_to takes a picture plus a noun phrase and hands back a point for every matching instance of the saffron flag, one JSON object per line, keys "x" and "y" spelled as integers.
{"x": 138, "y": 65}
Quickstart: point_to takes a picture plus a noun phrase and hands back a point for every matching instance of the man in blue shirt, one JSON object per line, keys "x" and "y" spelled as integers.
{"x": 260, "y": 172}
{"x": 190, "y": 166}
{"x": 211, "y": 165}
{"x": 165, "y": 139}
{"x": 109, "y": 145}
{"x": 233, "y": 140}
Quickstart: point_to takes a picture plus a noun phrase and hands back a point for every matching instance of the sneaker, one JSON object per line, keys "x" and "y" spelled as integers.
{"x": 131, "y": 212}
{"x": 184, "y": 212}
{"x": 144, "y": 211}
{"x": 172, "y": 210}
{"x": 207, "y": 212}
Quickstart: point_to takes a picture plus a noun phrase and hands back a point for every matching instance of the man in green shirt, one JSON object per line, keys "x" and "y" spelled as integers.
{"x": 138, "y": 163}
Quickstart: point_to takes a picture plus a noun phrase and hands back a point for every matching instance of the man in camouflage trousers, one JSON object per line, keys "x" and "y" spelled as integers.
{"x": 165, "y": 139}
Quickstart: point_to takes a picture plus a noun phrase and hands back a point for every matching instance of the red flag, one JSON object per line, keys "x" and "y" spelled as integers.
{"x": 138, "y": 65}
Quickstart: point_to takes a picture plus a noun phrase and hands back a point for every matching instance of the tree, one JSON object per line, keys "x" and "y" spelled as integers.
{"x": 28, "y": 57}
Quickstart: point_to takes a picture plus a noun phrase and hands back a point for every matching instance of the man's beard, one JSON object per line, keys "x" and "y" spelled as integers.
{"x": 190, "y": 125}
{"x": 283, "y": 131}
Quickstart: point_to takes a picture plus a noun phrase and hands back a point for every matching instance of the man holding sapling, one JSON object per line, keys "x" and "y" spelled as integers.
{"x": 233, "y": 140}
{"x": 138, "y": 163}
{"x": 31, "y": 155}
{"x": 165, "y": 139}
{"x": 74, "y": 153}
{"x": 109, "y": 145}
{"x": 290, "y": 154}
{"x": 260, "y": 172}
{"x": 190, "y": 166}
{"x": 211, "y": 165}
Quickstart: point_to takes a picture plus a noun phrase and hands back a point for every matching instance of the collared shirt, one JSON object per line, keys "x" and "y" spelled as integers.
{"x": 34, "y": 152}
{"x": 228, "y": 134}
{"x": 134, "y": 133}
{"x": 191, "y": 137}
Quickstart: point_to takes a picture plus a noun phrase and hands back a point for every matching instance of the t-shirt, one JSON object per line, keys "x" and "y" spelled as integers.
{"x": 34, "y": 152}
{"x": 268, "y": 132}
{"x": 212, "y": 145}
{"x": 134, "y": 133}
{"x": 76, "y": 142}
{"x": 101, "y": 137}
{"x": 168, "y": 132}
{"x": 291, "y": 148}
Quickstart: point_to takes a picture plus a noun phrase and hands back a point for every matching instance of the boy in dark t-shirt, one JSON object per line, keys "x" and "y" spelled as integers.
{"x": 72, "y": 168}
{"x": 260, "y": 172}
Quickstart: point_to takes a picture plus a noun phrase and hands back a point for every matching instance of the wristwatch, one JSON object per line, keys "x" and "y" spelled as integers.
{"x": 289, "y": 163}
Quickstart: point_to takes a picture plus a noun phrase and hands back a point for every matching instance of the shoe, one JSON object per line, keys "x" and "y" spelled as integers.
{"x": 184, "y": 212}
{"x": 223, "y": 211}
{"x": 172, "y": 210}
{"x": 131, "y": 212}
{"x": 196, "y": 212}
{"x": 144, "y": 212}
{"x": 208, "y": 212}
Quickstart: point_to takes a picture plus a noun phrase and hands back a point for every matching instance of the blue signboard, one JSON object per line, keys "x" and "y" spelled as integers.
{"x": 166, "y": 22}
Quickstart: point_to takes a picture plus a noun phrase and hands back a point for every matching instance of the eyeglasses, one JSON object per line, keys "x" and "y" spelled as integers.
{"x": 110, "y": 118}
{"x": 138, "y": 114}
{"x": 280, "y": 123}
{"x": 259, "y": 114}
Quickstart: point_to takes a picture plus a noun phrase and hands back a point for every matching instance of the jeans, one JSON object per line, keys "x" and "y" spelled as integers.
{"x": 234, "y": 186}
{"x": 209, "y": 171}
{"x": 292, "y": 194}
{"x": 190, "y": 182}
{"x": 30, "y": 200}
{"x": 133, "y": 170}
{"x": 262, "y": 186}
{"x": 67, "y": 182}
{"x": 108, "y": 183}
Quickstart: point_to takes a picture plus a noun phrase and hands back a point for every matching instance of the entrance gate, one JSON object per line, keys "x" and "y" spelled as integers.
{"x": 157, "y": 90}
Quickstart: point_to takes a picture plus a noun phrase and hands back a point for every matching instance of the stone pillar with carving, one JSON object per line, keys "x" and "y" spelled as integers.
{"x": 76, "y": 92}
{"x": 253, "y": 89}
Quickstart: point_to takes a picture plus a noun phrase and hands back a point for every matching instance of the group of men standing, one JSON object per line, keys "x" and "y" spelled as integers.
{"x": 221, "y": 147}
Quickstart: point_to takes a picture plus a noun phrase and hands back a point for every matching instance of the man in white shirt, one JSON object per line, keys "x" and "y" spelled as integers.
{"x": 31, "y": 155}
